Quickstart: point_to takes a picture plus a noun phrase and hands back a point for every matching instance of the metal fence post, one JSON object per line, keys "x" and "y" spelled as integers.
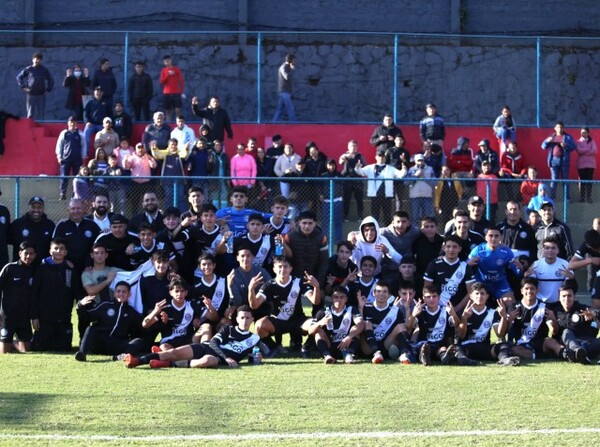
{"x": 125, "y": 70}
{"x": 538, "y": 74}
{"x": 258, "y": 86}
{"x": 395, "y": 87}
{"x": 17, "y": 195}
{"x": 331, "y": 221}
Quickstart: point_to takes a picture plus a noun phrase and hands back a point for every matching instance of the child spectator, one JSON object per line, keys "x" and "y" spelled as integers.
{"x": 535, "y": 204}
{"x": 116, "y": 184}
{"x": 529, "y": 187}
{"x": 512, "y": 166}
{"x": 446, "y": 195}
{"x": 487, "y": 181}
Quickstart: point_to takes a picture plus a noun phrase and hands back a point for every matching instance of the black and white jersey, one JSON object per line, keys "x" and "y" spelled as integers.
{"x": 530, "y": 324}
{"x": 434, "y": 327}
{"x": 233, "y": 342}
{"x": 216, "y": 290}
{"x": 341, "y": 324}
{"x": 179, "y": 320}
{"x": 479, "y": 326}
{"x": 364, "y": 287}
{"x": 261, "y": 248}
{"x": 383, "y": 320}
{"x": 284, "y": 298}
{"x": 451, "y": 278}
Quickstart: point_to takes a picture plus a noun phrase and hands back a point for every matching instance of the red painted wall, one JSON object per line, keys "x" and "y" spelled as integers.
{"x": 28, "y": 152}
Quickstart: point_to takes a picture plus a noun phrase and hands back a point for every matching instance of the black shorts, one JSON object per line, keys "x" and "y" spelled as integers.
{"x": 199, "y": 350}
{"x": 478, "y": 351}
{"x": 9, "y": 328}
{"x": 287, "y": 326}
{"x": 536, "y": 345}
{"x": 176, "y": 342}
{"x": 171, "y": 101}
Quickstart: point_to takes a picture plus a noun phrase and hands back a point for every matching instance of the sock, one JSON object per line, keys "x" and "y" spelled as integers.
{"x": 402, "y": 343}
{"x": 145, "y": 359}
{"x": 323, "y": 348}
{"x": 270, "y": 343}
{"x": 502, "y": 350}
{"x": 371, "y": 341}
{"x": 181, "y": 364}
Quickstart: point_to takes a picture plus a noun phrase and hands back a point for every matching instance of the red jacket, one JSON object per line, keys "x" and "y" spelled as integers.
{"x": 460, "y": 160}
{"x": 510, "y": 164}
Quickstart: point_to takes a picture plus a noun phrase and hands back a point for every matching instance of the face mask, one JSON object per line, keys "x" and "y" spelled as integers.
{"x": 77, "y": 73}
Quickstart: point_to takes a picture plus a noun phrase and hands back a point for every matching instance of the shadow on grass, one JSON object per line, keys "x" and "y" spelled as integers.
{"x": 18, "y": 410}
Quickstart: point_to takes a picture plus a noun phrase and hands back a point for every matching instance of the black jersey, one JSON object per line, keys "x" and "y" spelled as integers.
{"x": 180, "y": 320}
{"x": 473, "y": 240}
{"x": 15, "y": 287}
{"x": 115, "y": 319}
{"x": 339, "y": 273}
{"x": 153, "y": 290}
{"x": 79, "y": 238}
{"x": 116, "y": 249}
{"x": 262, "y": 249}
{"x": 383, "y": 320}
{"x": 232, "y": 342}
{"x": 217, "y": 291}
{"x": 479, "y": 326}
{"x": 573, "y": 320}
{"x": 530, "y": 324}
{"x": 365, "y": 288}
{"x": 285, "y": 300}
{"x": 142, "y": 254}
{"x": 434, "y": 327}
{"x": 341, "y": 324}
{"x": 452, "y": 279}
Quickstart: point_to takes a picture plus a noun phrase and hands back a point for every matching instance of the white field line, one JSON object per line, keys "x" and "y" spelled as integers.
{"x": 333, "y": 435}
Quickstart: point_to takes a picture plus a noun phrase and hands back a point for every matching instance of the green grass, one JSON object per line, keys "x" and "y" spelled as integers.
{"x": 45, "y": 394}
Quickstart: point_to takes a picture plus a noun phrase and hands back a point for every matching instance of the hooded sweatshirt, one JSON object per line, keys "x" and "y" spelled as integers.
{"x": 364, "y": 248}
{"x": 536, "y": 201}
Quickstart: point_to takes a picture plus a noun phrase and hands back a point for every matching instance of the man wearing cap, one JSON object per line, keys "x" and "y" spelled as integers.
{"x": 94, "y": 113}
{"x": 485, "y": 153}
{"x": 432, "y": 127}
{"x": 119, "y": 243}
{"x": 421, "y": 190}
{"x": 107, "y": 138}
{"x": 33, "y": 226}
{"x": 383, "y": 136}
{"x": 36, "y": 81}
{"x": 71, "y": 150}
{"x": 549, "y": 226}
{"x": 215, "y": 117}
{"x": 140, "y": 91}
{"x": 171, "y": 79}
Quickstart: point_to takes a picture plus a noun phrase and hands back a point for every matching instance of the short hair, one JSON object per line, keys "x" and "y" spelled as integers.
{"x": 404, "y": 284}
{"x": 173, "y": 140}
{"x": 453, "y": 238}
{"x": 339, "y": 289}
{"x": 192, "y": 189}
{"x": 160, "y": 255}
{"x": 280, "y": 260}
{"x": 26, "y": 244}
{"x": 245, "y": 246}
{"x": 382, "y": 283}
{"x": 408, "y": 260}
{"x": 461, "y": 213}
{"x": 58, "y": 241}
{"x": 281, "y": 200}
{"x": 37, "y": 56}
{"x": 308, "y": 214}
{"x": 529, "y": 281}
{"x": 244, "y": 308}
{"x": 550, "y": 240}
{"x": 428, "y": 219}
{"x": 123, "y": 283}
{"x": 346, "y": 244}
{"x": 103, "y": 60}
{"x": 98, "y": 245}
{"x": 479, "y": 286}
{"x": 171, "y": 211}
{"x": 145, "y": 226}
{"x": 101, "y": 193}
{"x": 238, "y": 190}
{"x": 205, "y": 208}
{"x": 290, "y": 57}
{"x": 368, "y": 258}
{"x": 256, "y": 216}
{"x": 401, "y": 214}
{"x": 178, "y": 281}
{"x": 568, "y": 285}
{"x": 592, "y": 238}
{"x": 206, "y": 256}
{"x": 111, "y": 156}
{"x": 431, "y": 288}
{"x": 181, "y": 117}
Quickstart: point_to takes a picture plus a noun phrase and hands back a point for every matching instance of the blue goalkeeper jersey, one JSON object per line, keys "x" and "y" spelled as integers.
{"x": 493, "y": 263}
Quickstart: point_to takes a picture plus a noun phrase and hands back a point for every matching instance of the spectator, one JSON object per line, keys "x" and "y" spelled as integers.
{"x": 116, "y": 183}
{"x": 173, "y": 159}
{"x": 122, "y": 152}
{"x": 354, "y": 187}
{"x": 198, "y": 163}
{"x": 487, "y": 181}
{"x": 380, "y": 187}
{"x": 434, "y": 157}
{"x": 421, "y": 190}
{"x": 219, "y": 166}
{"x": 505, "y": 129}
{"x": 98, "y": 166}
{"x": 36, "y": 81}
{"x": 383, "y": 136}
{"x": 536, "y": 202}
{"x": 432, "y": 127}
{"x": 70, "y": 151}
{"x": 243, "y": 168}
{"x": 265, "y": 167}
{"x": 107, "y": 139}
{"x": 105, "y": 78}
{"x": 171, "y": 78}
{"x": 77, "y": 81}
{"x": 398, "y": 157}
{"x": 285, "y": 166}
{"x": 529, "y": 186}
{"x": 215, "y": 117}
{"x": 284, "y": 89}
{"x": 448, "y": 192}
{"x": 94, "y": 113}
{"x": 485, "y": 153}
{"x": 461, "y": 158}
{"x": 184, "y": 134}
{"x": 122, "y": 121}
{"x": 559, "y": 146}
{"x": 586, "y": 163}
{"x": 157, "y": 133}
{"x": 82, "y": 187}
{"x": 140, "y": 90}
{"x": 141, "y": 165}
{"x": 34, "y": 226}
{"x": 512, "y": 166}
{"x": 251, "y": 147}
{"x": 315, "y": 166}
{"x": 276, "y": 148}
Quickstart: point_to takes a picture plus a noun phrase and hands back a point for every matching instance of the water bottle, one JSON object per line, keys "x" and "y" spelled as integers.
{"x": 256, "y": 356}
{"x": 330, "y": 323}
{"x": 278, "y": 247}
{"x": 137, "y": 248}
{"x": 229, "y": 244}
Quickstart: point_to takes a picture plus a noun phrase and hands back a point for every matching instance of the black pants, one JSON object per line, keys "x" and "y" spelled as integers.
{"x": 585, "y": 189}
{"x": 353, "y": 189}
{"x": 96, "y": 341}
{"x": 139, "y": 106}
{"x": 53, "y": 336}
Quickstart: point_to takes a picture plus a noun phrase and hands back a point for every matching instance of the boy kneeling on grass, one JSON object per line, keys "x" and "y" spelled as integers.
{"x": 336, "y": 329}
{"x": 231, "y": 345}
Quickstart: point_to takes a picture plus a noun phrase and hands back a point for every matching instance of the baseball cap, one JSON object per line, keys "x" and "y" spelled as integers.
{"x": 420, "y": 157}
{"x": 118, "y": 219}
{"x": 36, "y": 199}
{"x": 547, "y": 203}
{"x": 484, "y": 142}
{"x": 475, "y": 199}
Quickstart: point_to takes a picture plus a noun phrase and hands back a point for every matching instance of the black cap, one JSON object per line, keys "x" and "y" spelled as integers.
{"x": 118, "y": 219}
{"x": 36, "y": 199}
{"x": 546, "y": 203}
{"x": 475, "y": 199}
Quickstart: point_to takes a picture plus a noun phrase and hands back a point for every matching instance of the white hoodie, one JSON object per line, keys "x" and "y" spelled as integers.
{"x": 364, "y": 248}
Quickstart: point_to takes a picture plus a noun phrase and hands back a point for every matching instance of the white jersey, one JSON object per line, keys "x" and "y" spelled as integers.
{"x": 550, "y": 277}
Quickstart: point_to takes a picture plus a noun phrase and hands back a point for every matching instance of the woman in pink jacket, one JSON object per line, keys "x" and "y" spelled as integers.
{"x": 586, "y": 163}
{"x": 243, "y": 168}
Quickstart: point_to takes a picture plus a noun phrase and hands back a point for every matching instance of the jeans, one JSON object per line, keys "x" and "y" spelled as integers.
{"x": 285, "y": 100}
{"x": 556, "y": 173}
{"x": 88, "y": 135}
{"x": 421, "y": 207}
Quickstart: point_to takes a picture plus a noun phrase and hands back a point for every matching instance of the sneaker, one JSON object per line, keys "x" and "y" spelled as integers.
{"x": 160, "y": 364}
{"x": 404, "y": 359}
{"x": 305, "y": 352}
{"x": 425, "y": 354}
{"x": 466, "y": 361}
{"x": 131, "y": 361}
{"x": 580, "y": 356}
{"x": 329, "y": 360}
{"x": 394, "y": 352}
{"x": 569, "y": 355}
{"x": 119, "y": 358}
{"x": 377, "y": 358}
{"x": 448, "y": 355}
{"x": 62, "y": 197}
{"x": 510, "y": 361}
{"x": 155, "y": 349}
{"x": 349, "y": 358}
{"x": 80, "y": 356}
{"x": 275, "y": 352}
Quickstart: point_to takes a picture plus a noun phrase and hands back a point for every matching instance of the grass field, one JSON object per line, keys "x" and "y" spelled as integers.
{"x": 50, "y": 399}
